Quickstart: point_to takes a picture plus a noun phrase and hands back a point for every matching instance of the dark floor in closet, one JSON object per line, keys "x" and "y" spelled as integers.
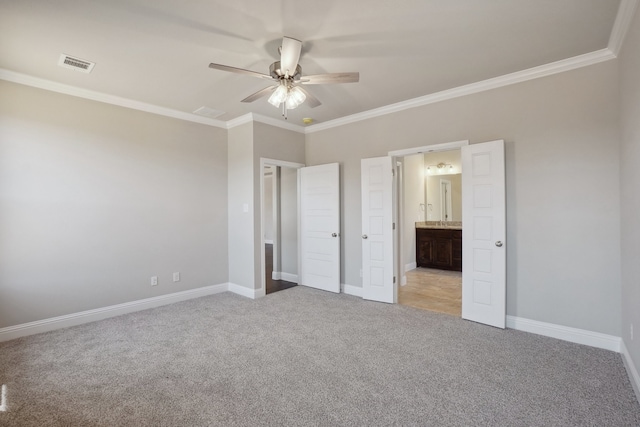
{"x": 273, "y": 285}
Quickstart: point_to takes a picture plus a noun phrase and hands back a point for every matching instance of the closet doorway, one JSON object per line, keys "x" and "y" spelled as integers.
{"x": 279, "y": 226}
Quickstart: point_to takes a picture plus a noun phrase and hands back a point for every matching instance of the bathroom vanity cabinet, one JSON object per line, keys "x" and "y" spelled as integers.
{"x": 439, "y": 248}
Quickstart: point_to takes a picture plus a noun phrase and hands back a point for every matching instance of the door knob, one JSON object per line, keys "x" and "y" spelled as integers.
{"x": 334, "y": 234}
{"x": 499, "y": 244}
{"x": 364, "y": 236}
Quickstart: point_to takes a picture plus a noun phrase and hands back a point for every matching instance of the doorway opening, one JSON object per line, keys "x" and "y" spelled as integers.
{"x": 429, "y": 212}
{"x": 279, "y": 225}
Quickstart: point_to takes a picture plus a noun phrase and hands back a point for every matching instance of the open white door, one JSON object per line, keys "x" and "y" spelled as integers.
{"x": 378, "y": 282}
{"x": 484, "y": 229}
{"x": 320, "y": 227}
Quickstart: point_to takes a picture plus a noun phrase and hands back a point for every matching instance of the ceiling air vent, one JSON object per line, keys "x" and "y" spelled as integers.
{"x": 74, "y": 63}
{"x": 208, "y": 112}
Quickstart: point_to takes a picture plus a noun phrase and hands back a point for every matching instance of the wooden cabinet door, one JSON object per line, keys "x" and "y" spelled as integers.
{"x": 424, "y": 250}
{"x": 443, "y": 256}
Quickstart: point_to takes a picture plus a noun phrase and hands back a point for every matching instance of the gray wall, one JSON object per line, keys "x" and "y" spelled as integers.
{"x": 563, "y": 227}
{"x": 248, "y": 143}
{"x": 241, "y": 193}
{"x": 95, "y": 199}
{"x": 630, "y": 183}
{"x": 278, "y": 144}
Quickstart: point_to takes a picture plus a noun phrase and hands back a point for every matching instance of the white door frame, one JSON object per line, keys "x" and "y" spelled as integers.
{"x": 447, "y": 146}
{"x": 260, "y": 292}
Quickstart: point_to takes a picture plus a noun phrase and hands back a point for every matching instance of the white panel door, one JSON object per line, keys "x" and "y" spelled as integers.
{"x": 484, "y": 232}
{"x": 320, "y": 227}
{"x": 377, "y": 230}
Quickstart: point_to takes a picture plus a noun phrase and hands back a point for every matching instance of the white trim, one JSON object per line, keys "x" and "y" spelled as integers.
{"x": 618, "y": 33}
{"x": 289, "y": 277}
{"x": 268, "y": 241}
{"x": 245, "y": 292}
{"x": 632, "y": 371}
{"x": 356, "y": 291}
{"x": 275, "y": 275}
{"x": 410, "y": 266}
{"x": 3, "y": 398}
{"x": 277, "y": 123}
{"x": 565, "y": 333}
{"x": 253, "y": 117}
{"x": 282, "y": 163}
{"x": 626, "y": 12}
{"x": 240, "y": 120}
{"x": 447, "y": 146}
{"x": 472, "y": 88}
{"x": 82, "y": 317}
{"x": 27, "y": 80}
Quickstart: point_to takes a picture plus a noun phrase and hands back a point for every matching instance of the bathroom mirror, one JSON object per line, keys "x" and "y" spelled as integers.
{"x": 443, "y": 186}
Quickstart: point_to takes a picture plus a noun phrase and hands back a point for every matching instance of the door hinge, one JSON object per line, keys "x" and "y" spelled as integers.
{"x": 393, "y": 226}
{"x": 393, "y": 172}
{"x": 394, "y": 280}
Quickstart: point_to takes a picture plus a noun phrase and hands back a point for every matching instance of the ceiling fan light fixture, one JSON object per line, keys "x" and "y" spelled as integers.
{"x": 295, "y": 98}
{"x": 278, "y": 96}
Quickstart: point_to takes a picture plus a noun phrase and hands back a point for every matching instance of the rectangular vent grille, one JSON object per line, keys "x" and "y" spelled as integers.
{"x": 77, "y": 64}
{"x": 208, "y": 112}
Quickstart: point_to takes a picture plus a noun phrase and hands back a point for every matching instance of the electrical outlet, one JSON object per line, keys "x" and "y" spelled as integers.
{"x": 154, "y": 280}
{"x": 631, "y": 331}
{"x": 176, "y": 276}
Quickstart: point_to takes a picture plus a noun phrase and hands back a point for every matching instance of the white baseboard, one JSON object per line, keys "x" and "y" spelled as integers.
{"x": 565, "y": 333}
{"x": 281, "y": 275}
{"x": 241, "y": 290}
{"x": 289, "y": 277}
{"x": 356, "y": 291}
{"x": 79, "y": 318}
{"x": 632, "y": 371}
{"x": 268, "y": 241}
{"x": 410, "y": 266}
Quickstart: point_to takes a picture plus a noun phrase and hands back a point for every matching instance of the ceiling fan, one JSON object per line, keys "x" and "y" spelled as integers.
{"x": 287, "y": 74}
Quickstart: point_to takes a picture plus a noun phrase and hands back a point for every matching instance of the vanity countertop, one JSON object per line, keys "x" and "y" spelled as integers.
{"x": 439, "y": 225}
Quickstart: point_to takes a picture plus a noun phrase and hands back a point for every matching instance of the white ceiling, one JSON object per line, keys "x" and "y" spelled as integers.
{"x": 157, "y": 52}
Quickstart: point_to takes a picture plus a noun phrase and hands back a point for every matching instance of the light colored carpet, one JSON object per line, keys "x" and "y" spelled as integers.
{"x": 304, "y": 357}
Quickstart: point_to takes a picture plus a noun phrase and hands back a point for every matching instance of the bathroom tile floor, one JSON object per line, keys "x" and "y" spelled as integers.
{"x": 431, "y": 289}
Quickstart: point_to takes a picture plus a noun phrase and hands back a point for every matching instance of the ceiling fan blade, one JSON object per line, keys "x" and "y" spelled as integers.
{"x": 323, "y": 79}
{"x": 239, "y": 71}
{"x": 289, "y": 55}
{"x": 311, "y": 100}
{"x": 259, "y": 94}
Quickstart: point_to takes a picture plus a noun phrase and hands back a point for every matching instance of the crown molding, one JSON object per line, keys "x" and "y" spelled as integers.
{"x": 27, "y": 80}
{"x": 253, "y": 117}
{"x": 626, "y": 12}
{"x": 278, "y": 123}
{"x": 493, "y": 83}
{"x": 240, "y": 120}
{"x": 625, "y": 15}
